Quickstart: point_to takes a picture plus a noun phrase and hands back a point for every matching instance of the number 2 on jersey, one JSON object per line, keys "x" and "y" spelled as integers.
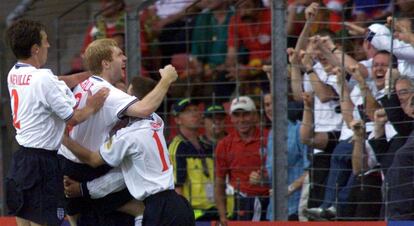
{"x": 78, "y": 97}
{"x": 160, "y": 151}
{"x": 15, "y": 97}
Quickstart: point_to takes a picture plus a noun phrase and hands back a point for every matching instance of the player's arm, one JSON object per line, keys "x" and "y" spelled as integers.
{"x": 152, "y": 100}
{"x": 93, "y": 159}
{"x": 93, "y": 104}
{"x": 111, "y": 182}
{"x": 74, "y": 79}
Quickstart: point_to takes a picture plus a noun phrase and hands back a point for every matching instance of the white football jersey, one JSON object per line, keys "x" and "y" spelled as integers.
{"x": 41, "y": 105}
{"x": 94, "y": 131}
{"x": 141, "y": 152}
{"x": 327, "y": 118}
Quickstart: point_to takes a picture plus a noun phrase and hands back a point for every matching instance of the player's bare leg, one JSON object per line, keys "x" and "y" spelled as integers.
{"x": 73, "y": 219}
{"x": 134, "y": 208}
{"x": 24, "y": 222}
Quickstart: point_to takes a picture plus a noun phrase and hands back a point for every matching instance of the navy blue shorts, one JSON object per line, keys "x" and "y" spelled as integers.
{"x": 244, "y": 207}
{"x": 167, "y": 208}
{"x": 94, "y": 210}
{"x": 34, "y": 186}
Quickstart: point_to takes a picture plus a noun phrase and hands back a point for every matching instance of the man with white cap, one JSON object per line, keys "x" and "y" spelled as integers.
{"x": 237, "y": 156}
{"x": 379, "y": 38}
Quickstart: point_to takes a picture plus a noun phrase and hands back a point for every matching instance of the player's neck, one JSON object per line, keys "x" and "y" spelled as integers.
{"x": 32, "y": 61}
{"x": 107, "y": 78}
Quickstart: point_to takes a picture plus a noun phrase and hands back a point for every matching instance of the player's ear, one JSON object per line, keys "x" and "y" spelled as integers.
{"x": 35, "y": 49}
{"x": 105, "y": 64}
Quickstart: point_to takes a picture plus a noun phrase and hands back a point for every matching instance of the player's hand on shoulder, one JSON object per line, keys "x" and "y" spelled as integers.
{"x": 169, "y": 73}
{"x": 97, "y": 100}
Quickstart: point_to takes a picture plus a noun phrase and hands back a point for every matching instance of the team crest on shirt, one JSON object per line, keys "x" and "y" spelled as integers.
{"x": 155, "y": 125}
{"x": 108, "y": 144}
{"x": 60, "y": 213}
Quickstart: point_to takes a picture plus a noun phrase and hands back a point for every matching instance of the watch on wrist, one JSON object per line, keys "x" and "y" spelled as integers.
{"x": 310, "y": 71}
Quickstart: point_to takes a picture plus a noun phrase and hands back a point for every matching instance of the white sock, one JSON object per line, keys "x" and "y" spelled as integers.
{"x": 138, "y": 220}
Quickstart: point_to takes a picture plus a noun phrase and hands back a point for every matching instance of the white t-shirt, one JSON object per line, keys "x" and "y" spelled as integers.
{"x": 94, "y": 131}
{"x": 358, "y": 101}
{"x": 40, "y": 106}
{"x": 166, "y": 8}
{"x": 326, "y": 118}
{"x": 141, "y": 152}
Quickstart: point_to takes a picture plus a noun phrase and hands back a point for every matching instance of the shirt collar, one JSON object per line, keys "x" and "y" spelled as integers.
{"x": 20, "y": 64}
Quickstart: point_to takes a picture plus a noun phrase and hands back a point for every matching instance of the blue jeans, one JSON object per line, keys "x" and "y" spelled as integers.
{"x": 339, "y": 173}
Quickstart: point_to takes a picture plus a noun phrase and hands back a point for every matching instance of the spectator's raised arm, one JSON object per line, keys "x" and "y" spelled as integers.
{"x": 359, "y": 158}
{"x": 322, "y": 90}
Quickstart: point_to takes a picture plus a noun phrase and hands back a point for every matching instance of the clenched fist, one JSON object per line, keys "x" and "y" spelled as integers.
{"x": 169, "y": 73}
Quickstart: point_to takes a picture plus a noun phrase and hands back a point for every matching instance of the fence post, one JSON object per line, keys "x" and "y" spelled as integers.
{"x": 133, "y": 38}
{"x": 279, "y": 122}
{"x": 132, "y": 43}
{"x": 57, "y": 35}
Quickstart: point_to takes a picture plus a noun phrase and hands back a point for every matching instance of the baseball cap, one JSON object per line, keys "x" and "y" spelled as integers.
{"x": 242, "y": 103}
{"x": 379, "y": 36}
{"x": 180, "y": 105}
{"x": 214, "y": 109}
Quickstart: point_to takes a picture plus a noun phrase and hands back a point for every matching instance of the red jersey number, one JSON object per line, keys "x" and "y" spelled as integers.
{"x": 78, "y": 98}
{"x": 15, "y": 97}
{"x": 160, "y": 151}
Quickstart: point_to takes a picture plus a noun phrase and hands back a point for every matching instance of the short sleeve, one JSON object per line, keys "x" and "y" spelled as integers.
{"x": 116, "y": 103}
{"x": 114, "y": 150}
{"x": 307, "y": 86}
{"x": 59, "y": 97}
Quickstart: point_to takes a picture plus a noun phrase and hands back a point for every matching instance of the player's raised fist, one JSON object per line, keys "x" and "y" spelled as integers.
{"x": 169, "y": 73}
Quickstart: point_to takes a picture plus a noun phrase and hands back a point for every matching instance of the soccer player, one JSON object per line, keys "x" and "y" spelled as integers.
{"x": 140, "y": 151}
{"x": 106, "y": 61}
{"x": 41, "y": 107}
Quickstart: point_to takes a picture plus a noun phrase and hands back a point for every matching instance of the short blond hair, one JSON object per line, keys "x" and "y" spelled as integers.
{"x": 96, "y": 52}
